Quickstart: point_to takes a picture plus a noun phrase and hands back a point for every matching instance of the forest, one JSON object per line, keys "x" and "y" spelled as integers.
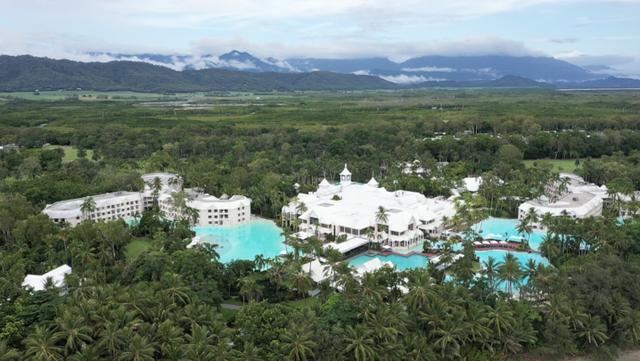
{"x": 167, "y": 302}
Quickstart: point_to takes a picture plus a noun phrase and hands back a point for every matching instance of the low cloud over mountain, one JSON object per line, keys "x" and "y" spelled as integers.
{"x": 411, "y": 71}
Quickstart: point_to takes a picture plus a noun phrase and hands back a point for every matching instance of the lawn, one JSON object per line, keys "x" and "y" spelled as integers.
{"x": 136, "y": 247}
{"x": 71, "y": 153}
{"x": 559, "y": 165}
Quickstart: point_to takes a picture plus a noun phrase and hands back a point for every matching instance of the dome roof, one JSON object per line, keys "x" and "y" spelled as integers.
{"x": 345, "y": 171}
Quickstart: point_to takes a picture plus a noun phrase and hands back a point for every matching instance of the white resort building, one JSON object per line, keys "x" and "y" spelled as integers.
{"x": 580, "y": 200}
{"x": 107, "y": 207}
{"x": 124, "y": 205}
{"x": 223, "y": 211}
{"x": 38, "y": 282}
{"x": 352, "y": 209}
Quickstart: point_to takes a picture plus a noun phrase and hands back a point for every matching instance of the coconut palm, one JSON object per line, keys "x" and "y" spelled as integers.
{"x": 88, "y": 207}
{"x": 7, "y": 353}
{"x": 525, "y": 224}
{"x": 73, "y": 331}
{"x": 112, "y": 337}
{"x": 41, "y": 345}
{"x": 359, "y": 343}
{"x": 303, "y": 283}
{"x": 139, "y": 348}
{"x": 381, "y": 218}
{"x": 450, "y": 337}
{"x": 593, "y": 331}
{"x": 500, "y": 319}
{"x": 490, "y": 271}
{"x": 510, "y": 272}
{"x": 299, "y": 345}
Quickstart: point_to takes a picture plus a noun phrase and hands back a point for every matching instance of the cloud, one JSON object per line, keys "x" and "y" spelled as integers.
{"x": 354, "y": 48}
{"x": 430, "y": 69}
{"x": 408, "y": 79}
{"x": 618, "y": 65}
{"x": 563, "y": 40}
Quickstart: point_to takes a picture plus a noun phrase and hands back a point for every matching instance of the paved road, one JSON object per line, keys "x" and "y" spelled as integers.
{"x": 230, "y": 306}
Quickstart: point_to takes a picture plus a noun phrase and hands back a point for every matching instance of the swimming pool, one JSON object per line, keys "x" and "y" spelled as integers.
{"x": 401, "y": 262}
{"x": 245, "y": 241}
{"x": 505, "y": 229}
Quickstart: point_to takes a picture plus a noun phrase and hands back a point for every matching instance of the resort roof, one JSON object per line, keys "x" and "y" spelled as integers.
{"x": 372, "y": 265}
{"x": 38, "y": 282}
{"x": 347, "y": 245}
{"x": 573, "y": 203}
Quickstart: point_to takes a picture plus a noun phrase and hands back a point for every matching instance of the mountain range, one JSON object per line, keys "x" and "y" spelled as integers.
{"x": 411, "y": 71}
{"x": 28, "y": 73}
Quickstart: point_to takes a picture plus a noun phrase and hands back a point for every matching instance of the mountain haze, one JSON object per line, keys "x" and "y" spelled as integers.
{"x": 414, "y": 70}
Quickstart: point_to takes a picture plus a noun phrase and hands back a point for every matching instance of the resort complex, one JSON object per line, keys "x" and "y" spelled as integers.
{"x": 174, "y": 203}
{"x": 399, "y": 219}
{"x": 574, "y": 197}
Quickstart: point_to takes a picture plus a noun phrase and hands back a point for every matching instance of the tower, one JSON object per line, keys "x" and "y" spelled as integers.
{"x": 345, "y": 176}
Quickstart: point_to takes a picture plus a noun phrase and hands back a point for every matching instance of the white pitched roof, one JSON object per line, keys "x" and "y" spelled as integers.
{"x": 372, "y": 265}
{"x": 373, "y": 182}
{"x": 37, "y": 282}
{"x": 472, "y": 184}
{"x": 347, "y": 245}
{"x": 324, "y": 183}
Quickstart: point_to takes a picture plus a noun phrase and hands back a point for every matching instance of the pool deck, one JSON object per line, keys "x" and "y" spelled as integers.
{"x": 508, "y": 247}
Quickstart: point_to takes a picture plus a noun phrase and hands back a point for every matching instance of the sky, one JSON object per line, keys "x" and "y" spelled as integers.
{"x": 584, "y": 32}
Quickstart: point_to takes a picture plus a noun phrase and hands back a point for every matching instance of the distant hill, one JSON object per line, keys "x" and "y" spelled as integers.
{"x": 611, "y": 82}
{"x": 27, "y": 73}
{"x": 415, "y": 70}
{"x": 509, "y": 81}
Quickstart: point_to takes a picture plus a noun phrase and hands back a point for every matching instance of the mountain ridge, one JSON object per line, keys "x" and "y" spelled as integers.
{"x": 413, "y": 70}
{"x": 28, "y": 73}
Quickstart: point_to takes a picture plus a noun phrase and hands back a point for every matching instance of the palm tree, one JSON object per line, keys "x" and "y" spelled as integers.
{"x": 179, "y": 204}
{"x": 139, "y": 349}
{"x": 299, "y": 344}
{"x": 525, "y": 225}
{"x": 510, "y": 272}
{"x": 111, "y": 338}
{"x": 88, "y": 207}
{"x": 450, "y": 337}
{"x": 500, "y": 319}
{"x": 41, "y": 345}
{"x": 594, "y": 332}
{"x": 73, "y": 331}
{"x": 250, "y": 288}
{"x": 490, "y": 270}
{"x": 381, "y": 218}
{"x": 7, "y": 353}
{"x": 359, "y": 343}
{"x": 259, "y": 262}
{"x": 303, "y": 283}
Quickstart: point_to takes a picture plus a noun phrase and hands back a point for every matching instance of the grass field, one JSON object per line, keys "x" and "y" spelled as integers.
{"x": 86, "y": 95}
{"x": 559, "y": 165}
{"x": 70, "y": 153}
{"x": 136, "y": 247}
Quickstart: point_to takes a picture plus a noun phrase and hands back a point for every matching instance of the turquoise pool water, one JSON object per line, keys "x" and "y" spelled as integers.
{"x": 505, "y": 229}
{"x": 245, "y": 241}
{"x": 401, "y": 262}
